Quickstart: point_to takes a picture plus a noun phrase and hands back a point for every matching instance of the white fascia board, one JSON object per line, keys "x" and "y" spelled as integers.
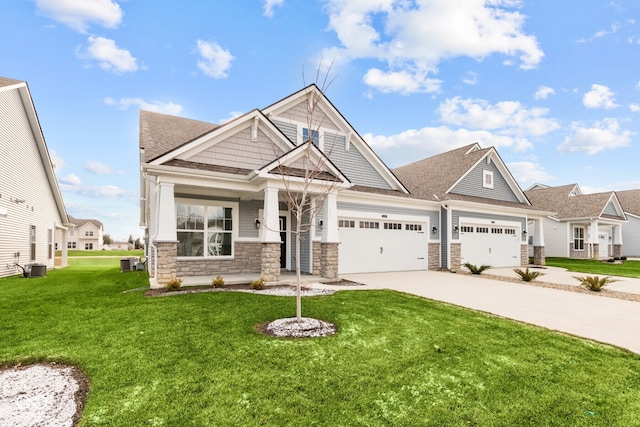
{"x": 298, "y": 153}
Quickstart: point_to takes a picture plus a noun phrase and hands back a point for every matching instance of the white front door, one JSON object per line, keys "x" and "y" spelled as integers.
{"x": 603, "y": 246}
{"x": 368, "y": 246}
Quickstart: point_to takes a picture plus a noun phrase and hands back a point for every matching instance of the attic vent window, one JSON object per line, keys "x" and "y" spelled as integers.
{"x": 314, "y": 134}
{"x": 487, "y": 179}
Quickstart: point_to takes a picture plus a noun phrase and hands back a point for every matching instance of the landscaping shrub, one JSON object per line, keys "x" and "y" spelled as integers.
{"x": 258, "y": 284}
{"x": 594, "y": 283}
{"x": 218, "y": 282}
{"x": 475, "y": 269}
{"x": 527, "y": 275}
{"x": 173, "y": 285}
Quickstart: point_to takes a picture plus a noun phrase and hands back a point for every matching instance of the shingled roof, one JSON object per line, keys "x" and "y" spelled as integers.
{"x": 630, "y": 201}
{"x": 435, "y": 175}
{"x": 161, "y": 133}
{"x": 80, "y": 222}
{"x": 4, "y": 81}
{"x": 559, "y": 200}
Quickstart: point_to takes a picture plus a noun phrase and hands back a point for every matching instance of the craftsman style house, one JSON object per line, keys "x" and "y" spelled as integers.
{"x": 31, "y": 206}
{"x": 583, "y": 225}
{"x": 216, "y": 199}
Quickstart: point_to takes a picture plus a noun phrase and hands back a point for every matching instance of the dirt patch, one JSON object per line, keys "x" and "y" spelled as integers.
{"x": 42, "y": 395}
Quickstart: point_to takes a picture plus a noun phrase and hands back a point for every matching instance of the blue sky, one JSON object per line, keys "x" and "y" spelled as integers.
{"x": 556, "y": 89}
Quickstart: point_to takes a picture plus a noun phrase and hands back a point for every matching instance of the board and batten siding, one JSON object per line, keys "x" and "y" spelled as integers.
{"x": 352, "y": 163}
{"x": 471, "y": 184}
{"x": 22, "y": 177}
{"x": 239, "y": 151}
{"x": 456, "y": 214}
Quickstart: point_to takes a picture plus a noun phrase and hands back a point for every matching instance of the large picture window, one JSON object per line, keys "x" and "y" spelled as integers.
{"x": 203, "y": 230}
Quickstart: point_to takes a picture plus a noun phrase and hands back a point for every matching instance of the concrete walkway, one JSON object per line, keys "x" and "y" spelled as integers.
{"x": 608, "y": 320}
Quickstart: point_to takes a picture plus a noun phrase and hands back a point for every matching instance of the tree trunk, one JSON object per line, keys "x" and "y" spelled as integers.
{"x": 298, "y": 278}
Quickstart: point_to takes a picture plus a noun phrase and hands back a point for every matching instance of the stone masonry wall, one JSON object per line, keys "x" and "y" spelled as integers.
{"x": 247, "y": 259}
{"x": 434, "y": 256}
{"x": 538, "y": 255}
{"x": 317, "y": 252}
{"x": 456, "y": 256}
{"x": 167, "y": 261}
{"x": 270, "y": 261}
{"x": 329, "y": 260}
{"x": 524, "y": 255}
{"x": 617, "y": 250}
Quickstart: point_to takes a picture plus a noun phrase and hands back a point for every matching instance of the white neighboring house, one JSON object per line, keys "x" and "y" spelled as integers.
{"x": 31, "y": 205}
{"x": 630, "y": 200}
{"x": 118, "y": 246}
{"x": 87, "y": 235}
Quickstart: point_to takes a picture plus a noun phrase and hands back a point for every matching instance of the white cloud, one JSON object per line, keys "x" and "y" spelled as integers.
{"x": 543, "y": 92}
{"x": 269, "y": 5}
{"x": 413, "y": 37}
{"x": 470, "y": 78}
{"x": 214, "y": 61}
{"x": 529, "y": 172}
{"x": 599, "y": 97}
{"x": 99, "y": 168}
{"x": 435, "y": 140}
{"x": 97, "y": 191}
{"x": 110, "y": 57}
{"x": 71, "y": 179}
{"x": 232, "y": 115}
{"x": 602, "y": 135}
{"x": 57, "y": 161}
{"x": 508, "y": 117}
{"x": 158, "y": 107}
{"x": 79, "y": 14}
{"x": 634, "y": 108}
{"x": 614, "y": 28}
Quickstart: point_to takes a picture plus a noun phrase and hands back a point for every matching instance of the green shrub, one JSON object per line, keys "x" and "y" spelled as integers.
{"x": 218, "y": 282}
{"x": 594, "y": 283}
{"x": 477, "y": 270}
{"x": 258, "y": 284}
{"x": 527, "y": 275}
{"x": 173, "y": 285}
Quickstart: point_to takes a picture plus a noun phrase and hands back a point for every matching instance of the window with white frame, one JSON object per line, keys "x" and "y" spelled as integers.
{"x": 308, "y": 135}
{"x": 88, "y": 233}
{"x": 71, "y": 245}
{"x": 578, "y": 238}
{"x": 487, "y": 179}
{"x": 88, "y": 246}
{"x": 49, "y": 243}
{"x": 204, "y": 230}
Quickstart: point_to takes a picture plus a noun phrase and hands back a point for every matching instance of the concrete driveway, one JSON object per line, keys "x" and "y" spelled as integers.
{"x": 608, "y": 320}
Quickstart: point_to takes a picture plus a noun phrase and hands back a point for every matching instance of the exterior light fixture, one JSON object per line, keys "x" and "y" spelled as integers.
{"x": 456, "y": 228}
{"x": 257, "y": 223}
{"x": 434, "y": 230}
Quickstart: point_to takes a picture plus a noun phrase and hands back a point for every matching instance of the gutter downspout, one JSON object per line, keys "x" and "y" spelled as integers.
{"x": 152, "y": 237}
{"x": 446, "y": 208}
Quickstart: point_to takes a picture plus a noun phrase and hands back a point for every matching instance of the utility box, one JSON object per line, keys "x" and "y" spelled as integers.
{"x": 38, "y": 270}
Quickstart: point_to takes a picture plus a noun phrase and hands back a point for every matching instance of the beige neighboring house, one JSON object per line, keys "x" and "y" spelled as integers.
{"x": 32, "y": 211}
{"x": 86, "y": 235}
{"x": 587, "y": 226}
{"x": 630, "y": 200}
{"x": 118, "y": 246}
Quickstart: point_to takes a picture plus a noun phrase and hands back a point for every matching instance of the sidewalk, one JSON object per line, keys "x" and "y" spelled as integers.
{"x": 608, "y": 320}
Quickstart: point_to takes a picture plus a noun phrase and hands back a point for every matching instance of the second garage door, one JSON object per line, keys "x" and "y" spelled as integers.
{"x": 497, "y": 246}
{"x": 375, "y": 246}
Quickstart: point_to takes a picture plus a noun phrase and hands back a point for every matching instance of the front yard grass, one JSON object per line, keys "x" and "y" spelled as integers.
{"x": 626, "y": 269}
{"x": 397, "y": 359}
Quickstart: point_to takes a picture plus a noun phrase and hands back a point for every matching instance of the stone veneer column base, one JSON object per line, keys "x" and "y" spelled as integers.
{"x": 538, "y": 255}
{"x": 617, "y": 250}
{"x": 329, "y": 260}
{"x": 456, "y": 255}
{"x": 434, "y": 256}
{"x": 524, "y": 255}
{"x": 167, "y": 261}
{"x": 270, "y": 264}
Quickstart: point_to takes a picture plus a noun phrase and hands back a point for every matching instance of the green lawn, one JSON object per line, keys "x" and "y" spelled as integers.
{"x": 197, "y": 359}
{"x": 626, "y": 269}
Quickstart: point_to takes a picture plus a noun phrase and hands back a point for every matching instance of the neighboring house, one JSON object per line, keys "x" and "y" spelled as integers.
{"x": 630, "y": 200}
{"x": 86, "y": 235}
{"x": 484, "y": 214}
{"x": 213, "y": 199}
{"x": 587, "y": 226}
{"x": 31, "y": 205}
{"x": 118, "y": 246}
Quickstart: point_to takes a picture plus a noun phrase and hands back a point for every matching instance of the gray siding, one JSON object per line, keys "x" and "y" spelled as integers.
{"x": 610, "y": 209}
{"x": 22, "y": 177}
{"x": 289, "y": 129}
{"x": 631, "y": 237}
{"x": 352, "y": 163}
{"x": 240, "y": 152}
{"x": 305, "y": 246}
{"x": 444, "y": 243}
{"x": 299, "y": 113}
{"x": 471, "y": 185}
{"x": 247, "y": 218}
{"x": 455, "y": 221}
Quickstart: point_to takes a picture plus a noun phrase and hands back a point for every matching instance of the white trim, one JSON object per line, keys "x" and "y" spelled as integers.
{"x": 487, "y": 183}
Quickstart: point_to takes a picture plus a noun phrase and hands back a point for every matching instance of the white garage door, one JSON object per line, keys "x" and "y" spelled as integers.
{"x": 497, "y": 246}
{"x": 375, "y": 246}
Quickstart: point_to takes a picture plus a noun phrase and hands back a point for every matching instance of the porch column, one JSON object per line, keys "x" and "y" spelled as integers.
{"x": 593, "y": 240}
{"x": 64, "y": 249}
{"x": 330, "y": 239}
{"x": 538, "y": 242}
{"x": 617, "y": 240}
{"x": 166, "y": 240}
{"x": 270, "y": 236}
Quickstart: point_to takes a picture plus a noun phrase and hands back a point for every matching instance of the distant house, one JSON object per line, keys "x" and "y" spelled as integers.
{"x": 213, "y": 199}
{"x": 630, "y": 201}
{"x": 588, "y": 226}
{"x": 86, "y": 235}
{"x": 31, "y": 205}
{"x": 118, "y": 246}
